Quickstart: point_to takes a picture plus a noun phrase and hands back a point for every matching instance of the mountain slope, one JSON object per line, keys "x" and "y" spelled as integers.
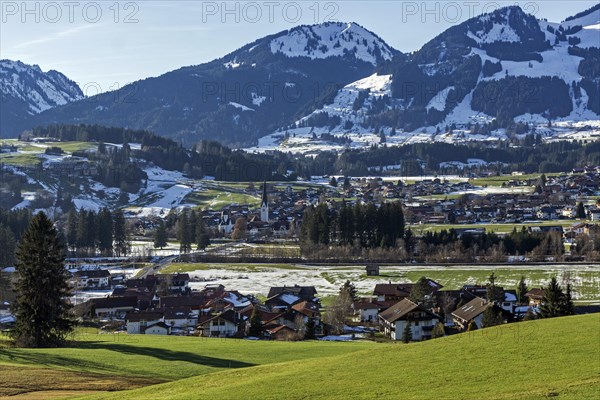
{"x": 528, "y": 360}
{"x": 238, "y": 98}
{"x": 468, "y": 83}
{"x": 26, "y": 90}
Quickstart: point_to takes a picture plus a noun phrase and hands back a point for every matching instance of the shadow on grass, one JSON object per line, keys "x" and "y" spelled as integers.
{"x": 167, "y": 355}
{"x": 47, "y": 359}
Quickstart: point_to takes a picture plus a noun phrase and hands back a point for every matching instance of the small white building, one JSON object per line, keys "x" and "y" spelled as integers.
{"x": 159, "y": 328}
{"x": 137, "y": 322}
{"x": 365, "y": 311}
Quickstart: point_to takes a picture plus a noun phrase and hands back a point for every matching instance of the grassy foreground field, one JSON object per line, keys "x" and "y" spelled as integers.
{"x": 115, "y": 362}
{"x": 530, "y": 360}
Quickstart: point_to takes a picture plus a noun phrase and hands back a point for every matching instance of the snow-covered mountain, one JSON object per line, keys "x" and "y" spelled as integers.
{"x": 471, "y": 82}
{"x": 238, "y": 98}
{"x": 26, "y": 90}
{"x": 332, "y": 39}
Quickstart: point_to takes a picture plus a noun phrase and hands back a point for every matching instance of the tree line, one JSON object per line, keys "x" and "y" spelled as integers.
{"x": 87, "y": 232}
{"x": 189, "y": 228}
{"x": 366, "y": 226}
{"x": 378, "y": 233}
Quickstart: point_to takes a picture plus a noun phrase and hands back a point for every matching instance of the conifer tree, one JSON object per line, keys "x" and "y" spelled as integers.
{"x": 160, "y": 235}
{"x": 7, "y": 246}
{"x": 41, "y": 307}
{"x": 521, "y": 290}
{"x": 580, "y": 212}
{"x": 351, "y": 289}
{"x": 420, "y": 290}
{"x": 121, "y": 234}
{"x": 202, "y": 236}
{"x": 71, "y": 227}
{"x": 310, "y": 329}
{"x": 105, "y": 231}
{"x": 554, "y": 301}
{"x": 491, "y": 317}
{"x": 184, "y": 233}
{"x": 256, "y": 327}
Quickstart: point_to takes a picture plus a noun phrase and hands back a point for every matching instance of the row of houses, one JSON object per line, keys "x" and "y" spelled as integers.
{"x": 164, "y": 304}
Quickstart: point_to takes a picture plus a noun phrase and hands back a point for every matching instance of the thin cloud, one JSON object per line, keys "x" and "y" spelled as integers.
{"x": 56, "y": 36}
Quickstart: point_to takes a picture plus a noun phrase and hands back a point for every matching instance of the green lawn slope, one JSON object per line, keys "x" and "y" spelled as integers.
{"x": 530, "y": 360}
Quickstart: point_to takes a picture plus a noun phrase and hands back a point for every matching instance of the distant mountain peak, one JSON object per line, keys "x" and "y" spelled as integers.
{"x": 332, "y": 39}
{"x": 26, "y": 91}
{"x": 507, "y": 24}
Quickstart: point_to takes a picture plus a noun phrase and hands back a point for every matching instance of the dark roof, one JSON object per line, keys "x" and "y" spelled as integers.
{"x": 230, "y": 316}
{"x": 92, "y": 273}
{"x": 113, "y": 302}
{"x": 177, "y": 312}
{"x": 393, "y": 289}
{"x": 304, "y": 292}
{"x": 363, "y": 305}
{"x": 307, "y": 308}
{"x": 181, "y": 301}
{"x": 401, "y": 309}
{"x": 472, "y": 309}
{"x": 143, "y": 316}
{"x": 161, "y": 324}
{"x": 173, "y": 277}
{"x": 535, "y": 293}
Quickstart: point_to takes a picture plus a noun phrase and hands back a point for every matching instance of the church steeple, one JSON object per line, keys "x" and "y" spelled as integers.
{"x": 265, "y": 199}
{"x": 264, "y": 204}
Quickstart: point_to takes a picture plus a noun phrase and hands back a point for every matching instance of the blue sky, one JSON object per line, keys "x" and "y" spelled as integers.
{"x": 106, "y": 44}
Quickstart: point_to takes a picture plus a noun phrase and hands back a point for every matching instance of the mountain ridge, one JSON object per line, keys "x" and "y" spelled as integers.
{"x": 287, "y": 79}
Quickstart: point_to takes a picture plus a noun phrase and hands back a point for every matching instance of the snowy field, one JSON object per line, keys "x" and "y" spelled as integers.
{"x": 257, "y": 279}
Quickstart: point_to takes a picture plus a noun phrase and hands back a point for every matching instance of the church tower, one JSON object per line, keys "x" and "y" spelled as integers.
{"x": 264, "y": 204}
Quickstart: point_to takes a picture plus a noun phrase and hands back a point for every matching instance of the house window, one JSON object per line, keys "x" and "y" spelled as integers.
{"x": 416, "y": 323}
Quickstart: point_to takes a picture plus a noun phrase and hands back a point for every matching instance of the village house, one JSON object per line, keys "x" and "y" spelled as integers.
{"x": 472, "y": 311}
{"x": 229, "y": 323}
{"x": 158, "y": 328}
{"x": 535, "y": 296}
{"x": 392, "y": 291}
{"x": 91, "y": 279}
{"x": 138, "y": 321}
{"x": 392, "y": 321}
{"x": 181, "y": 317}
{"x": 365, "y": 310}
{"x": 113, "y": 307}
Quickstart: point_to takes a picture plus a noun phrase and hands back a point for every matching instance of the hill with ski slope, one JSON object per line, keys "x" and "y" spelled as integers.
{"x": 494, "y": 76}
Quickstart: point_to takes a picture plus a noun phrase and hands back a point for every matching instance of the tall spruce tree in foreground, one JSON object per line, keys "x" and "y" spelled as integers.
{"x": 41, "y": 307}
